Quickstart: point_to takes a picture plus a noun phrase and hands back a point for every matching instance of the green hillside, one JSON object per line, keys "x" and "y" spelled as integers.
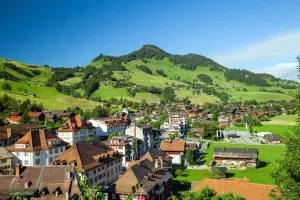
{"x": 142, "y": 74}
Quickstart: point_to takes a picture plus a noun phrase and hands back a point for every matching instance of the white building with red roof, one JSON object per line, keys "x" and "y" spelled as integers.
{"x": 37, "y": 148}
{"x": 75, "y": 130}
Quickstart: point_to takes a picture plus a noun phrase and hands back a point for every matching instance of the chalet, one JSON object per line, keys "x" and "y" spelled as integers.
{"x": 14, "y": 118}
{"x": 157, "y": 182}
{"x": 13, "y": 132}
{"x": 242, "y": 187}
{"x": 199, "y": 132}
{"x": 38, "y": 147}
{"x": 106, "y": 126}
{"x": 50, "y": 117}
{"x": 235, "y": 157}
{"x": 223, "y": 121}
{"x": 272, "y": 138}
{"x": 36, "y": 116}
{"x": 93, "y": 160}
{"x": 175, "y": 149}
{"x": 75, "y": 130}
{"x": 61, "y": 114}
{"x": 51, "y": 182}
{"x": 6, "y": 161}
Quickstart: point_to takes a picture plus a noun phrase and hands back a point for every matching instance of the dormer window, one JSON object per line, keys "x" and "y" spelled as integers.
{"x": 20, "y": 146}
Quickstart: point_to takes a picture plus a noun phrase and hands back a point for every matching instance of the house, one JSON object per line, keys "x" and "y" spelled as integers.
{"x": 51, "y": 182}
{"x": 175, "y": 149}
{"x": 235, "y": 157}
{"x": 38, "y": 147}
{"x": 148, "y": 136}
{"x": 159, "y": 158}
{"x": 272, "y": 138}
{"x": 50, "y": 117}
{"x": 219, "y": 172}
{"x": 6, "y": 161}
{"x": 13, "y": 132}
{"x": 125, "y": 145}
{"x": 36, "y": 116}
{"x": 106, "y": 126}
{"x": 242, "y": 187}
{"x": 178, "y": 122}
{"x": 223, "y": 121}
{"x": 75, "y": 130}
{"x": 157, "y": 183}
{"x": 61, "y": 114}
{"x": 199, "y": 132}
{"x": 14, "y": 117}
{"x": 93, "y": 160}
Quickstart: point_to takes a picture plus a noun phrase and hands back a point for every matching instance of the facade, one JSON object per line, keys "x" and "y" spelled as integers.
{"x": 175, "y": 149}
{"x": 75, "y": 130}
{"x": 235, "y": 157}
{"x": 14, "y": 118}
{"x": 36, "y": 116}
{"x": 37, "y": 148}
{"x": 13, "y": 132}
{"x": 125, "y": 145}
{"x": 177, "y": 122}
{"x": 148, "y": 136}
{"x": 51, "y": 182}
{"x": 93, "y": 160}
{"x": 158, "y": 183}
{"x": 106, "y": 126}
{"x": 6, "y": 161}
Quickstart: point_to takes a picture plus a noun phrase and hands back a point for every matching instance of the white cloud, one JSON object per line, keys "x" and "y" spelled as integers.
{"x": 276, "y": 47}
{"x": 281, "y": 70}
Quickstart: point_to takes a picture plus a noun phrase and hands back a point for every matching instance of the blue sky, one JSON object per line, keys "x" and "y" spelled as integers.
{"x": 262, "y": 36}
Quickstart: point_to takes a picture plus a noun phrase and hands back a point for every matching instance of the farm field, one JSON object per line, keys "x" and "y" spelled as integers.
{"x": 268, "y": 154}
{"x": 283, "y": 119}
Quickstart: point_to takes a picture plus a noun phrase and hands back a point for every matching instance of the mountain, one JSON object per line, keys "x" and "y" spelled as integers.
{"x": 142, "y": 74}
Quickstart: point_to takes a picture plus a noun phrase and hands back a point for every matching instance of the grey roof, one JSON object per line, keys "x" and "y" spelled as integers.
{"x": 250, "y": 153}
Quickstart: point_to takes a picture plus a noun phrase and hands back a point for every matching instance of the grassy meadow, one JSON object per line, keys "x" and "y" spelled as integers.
{"x": 267, "y": 156}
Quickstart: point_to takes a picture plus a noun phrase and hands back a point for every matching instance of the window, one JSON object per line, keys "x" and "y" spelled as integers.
{"x": 98, "y": 169}
{"x": 91, "y": 181}
{"x": 50, "y": 151}
{"x": 119, "y": 168}
{"x": 103, "y": 167}
{"x": 87, "y": 175}
{"x": 3, "y": 160}
{"x": 56, "y": 150}
{"x": 37, "y": 161}
{"x": 99, "y": 176}
{"x": 50, "y": 159}
{"x": 94, "y": 171}
{"x": 95, "y": 179}
{"x": 26, "y": 162}
{"x": 37, "y": 153}
{"x": 107, "y": 173}
{"x": 61, "y": 149}
{"x": 116, "y": 170}
{"x": 112, "y": 171}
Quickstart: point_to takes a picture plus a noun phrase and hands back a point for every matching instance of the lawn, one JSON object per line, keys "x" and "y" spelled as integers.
{"x": 268, "y": 154}
{"x": 283, "y": 119}
{"x": 49, "y": 97}
{"x": 196, "y": 99}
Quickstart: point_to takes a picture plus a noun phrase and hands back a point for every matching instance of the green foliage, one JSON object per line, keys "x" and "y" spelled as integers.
{"x": 168, "y": 94}
{"x": 190, "y": 157}
{"x": 205, "y": 78}
{"x": 245, "y": 76}
{"x": 25, "y": 118}
{"x": 17, "y": 69}
{"x": 6, "y": 86}
{"x": 161, "y": 72}
{"x": 287, "y": 172}
{"x": 178, "y": 172}
{"x": 145, "y": 69}
{"x": 88, "y": 192}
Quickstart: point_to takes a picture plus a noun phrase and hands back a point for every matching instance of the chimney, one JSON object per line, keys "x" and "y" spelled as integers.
{"x": 18, "y": 170}
{"x": 8, "y": 130}
{"x": 27, "y": 184}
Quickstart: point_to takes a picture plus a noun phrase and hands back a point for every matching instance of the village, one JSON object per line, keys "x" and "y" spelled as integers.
{"x": 140, "y": 153}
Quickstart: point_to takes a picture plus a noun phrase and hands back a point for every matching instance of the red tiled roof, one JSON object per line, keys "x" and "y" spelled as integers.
{"x": 250, "y": 191}
{"x": 175, "y": 145}
{"x": 35, "y": 114}
{"x": 14, "y": 118}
